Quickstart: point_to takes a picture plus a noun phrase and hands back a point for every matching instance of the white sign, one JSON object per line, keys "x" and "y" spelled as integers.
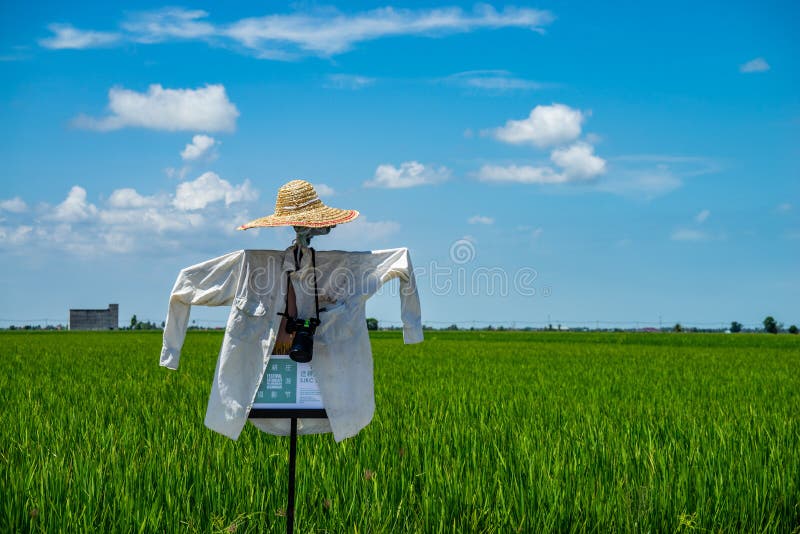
{"x": 288, "y": 384}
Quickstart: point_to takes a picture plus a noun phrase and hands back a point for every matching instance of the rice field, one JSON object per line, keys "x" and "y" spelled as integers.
{"x": 474, "y": 432}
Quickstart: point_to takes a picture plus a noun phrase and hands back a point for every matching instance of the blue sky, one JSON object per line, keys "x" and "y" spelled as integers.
{"x": 571, "y": 162}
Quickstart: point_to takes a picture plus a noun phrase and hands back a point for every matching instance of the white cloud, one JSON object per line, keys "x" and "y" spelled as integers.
{"x": 480, "y": 219}
{"x": 545, "y": 126}
{"x": 14, "y": 205}
{"x": 15, "y": 236}
{"x": 321, "y": 32}
{"x": 493, "y": 80}
{"x": 688, "y": 234}
{"x": 330, "y": 32}
{"x": 642, "y": 176}
{"x": 537, "y": 233}
{"x": 209, "y": 188}
{"x": 199, "y": 146}
{"x": 350, "y": 82}
{"x": 169, "y": 23}
{"x": 408, "y": 174}
{"x": 785, "y": 207}
{"x": 65, "y": 36}
{"x": 129, "y": 221}
{"x": 150, "y": 219}
{"x": 324, "y": 190}
{"x": 579, "y": 161}
{"x": 702, "y": 216}
{"x": 205, "y": 109}
{"x": 74, "y": 208}
{"x": 127, "y": 198}
{"x": 523, "y": 174}
{"x": 758, "y": 64}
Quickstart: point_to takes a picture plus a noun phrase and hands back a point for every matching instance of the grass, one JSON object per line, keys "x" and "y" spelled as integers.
{"x": 474, "y": 432}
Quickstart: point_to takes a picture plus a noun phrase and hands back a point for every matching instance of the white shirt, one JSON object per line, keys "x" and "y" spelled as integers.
{"x": 254, "y": 282}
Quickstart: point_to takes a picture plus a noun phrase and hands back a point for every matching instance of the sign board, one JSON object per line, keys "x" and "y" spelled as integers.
{"x": 288, "y": 384}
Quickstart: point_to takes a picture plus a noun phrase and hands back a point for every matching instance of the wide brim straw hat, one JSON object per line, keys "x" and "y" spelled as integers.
{"x": 299, "y": 205}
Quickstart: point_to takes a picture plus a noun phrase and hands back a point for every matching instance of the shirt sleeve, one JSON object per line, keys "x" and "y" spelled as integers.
{"x": 398, "y": 265}
{"x": 211, "y": 283}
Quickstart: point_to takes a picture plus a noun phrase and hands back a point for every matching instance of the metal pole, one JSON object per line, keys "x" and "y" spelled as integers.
{"x": 292, "y": 458}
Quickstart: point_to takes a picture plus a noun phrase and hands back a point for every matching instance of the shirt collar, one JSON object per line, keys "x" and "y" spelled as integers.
{"x": 288, "y": 259}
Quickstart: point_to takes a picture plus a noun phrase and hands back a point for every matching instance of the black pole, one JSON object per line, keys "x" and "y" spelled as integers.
{"x": 292, "y": 459}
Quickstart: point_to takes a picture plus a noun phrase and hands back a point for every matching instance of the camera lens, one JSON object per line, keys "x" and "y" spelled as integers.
{"x": 302, "y": 346}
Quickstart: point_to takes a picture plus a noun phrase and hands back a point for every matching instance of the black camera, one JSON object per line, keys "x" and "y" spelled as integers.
{"x": 303, "y": 342}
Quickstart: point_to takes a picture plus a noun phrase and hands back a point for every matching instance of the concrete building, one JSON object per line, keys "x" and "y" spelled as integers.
{"x": 95, "y": 319}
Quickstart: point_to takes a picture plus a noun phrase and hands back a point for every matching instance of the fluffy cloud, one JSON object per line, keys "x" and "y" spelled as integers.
{"x": 209, "y": 188}
{"x": 758, "y": 64}
{"x": 408, "y": 174}
{"x": 128, "y": 198}
{"x": 545, "y": 126}
{"x": 480, "y": 219}
{"x": 65, "y": 36}
{"x": 324, "y": 190}
{"x": 15, "y": 236}
{"x": 149, "y": 219}
{"x": 322, "y": 32}
{"x": 199, "y": 146}
{"x": 206, "y": 109}
{"x": 74, "y": 208}
{"x": 579, "y": 161}
{"x": 128, "y": 221}
{"x": 14, "y": 205}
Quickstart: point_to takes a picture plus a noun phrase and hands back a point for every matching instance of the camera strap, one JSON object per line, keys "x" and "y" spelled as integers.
{"x": 297, "y": 259}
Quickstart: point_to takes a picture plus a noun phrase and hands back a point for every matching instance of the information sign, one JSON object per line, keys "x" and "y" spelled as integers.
{"x": 288, "y": 384}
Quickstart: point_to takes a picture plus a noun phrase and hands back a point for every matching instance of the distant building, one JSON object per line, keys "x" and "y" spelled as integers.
{"x": 95, "y": 319}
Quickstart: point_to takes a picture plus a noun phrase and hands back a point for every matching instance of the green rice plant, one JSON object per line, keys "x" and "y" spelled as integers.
{"x": 474, "y": 432}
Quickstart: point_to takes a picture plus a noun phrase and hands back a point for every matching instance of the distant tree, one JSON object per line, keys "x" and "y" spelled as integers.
{"x": 793, "y": 329}
{"x": 770, "y": 325}
{"x": 736, "y": 327}
{"x": 372, "y": 323}
{"x": 162, "y": 324}
{"x": 134, "y": 321}
{"x": 452, "y": 327}
{"x": 677, "y": 328}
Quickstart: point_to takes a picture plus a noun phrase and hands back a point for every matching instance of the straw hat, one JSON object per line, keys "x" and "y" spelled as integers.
{"x": 298, "y": 205}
